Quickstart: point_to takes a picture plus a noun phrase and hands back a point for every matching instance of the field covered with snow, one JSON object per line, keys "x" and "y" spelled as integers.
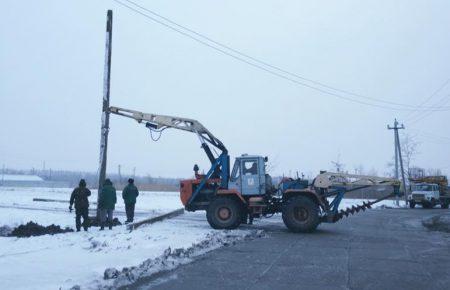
{"x": 65, "y": 260}
{"x": 17, "y": 205}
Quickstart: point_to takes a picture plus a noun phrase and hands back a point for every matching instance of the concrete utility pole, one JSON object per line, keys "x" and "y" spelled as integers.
{"x": 398, "y": 156}
{"x": 105, "y": 108}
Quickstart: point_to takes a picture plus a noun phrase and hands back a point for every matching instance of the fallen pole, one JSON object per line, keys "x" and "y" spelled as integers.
{"x": 54, "y": 200}
{"x": 152, "y": 220}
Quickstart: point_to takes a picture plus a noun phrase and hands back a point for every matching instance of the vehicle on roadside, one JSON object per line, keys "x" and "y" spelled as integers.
{"x": 247, "y": 192}
{"x": 429, "y": 191}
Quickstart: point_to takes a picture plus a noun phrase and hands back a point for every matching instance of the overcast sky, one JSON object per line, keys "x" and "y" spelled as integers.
{"x": 51, "y": 74}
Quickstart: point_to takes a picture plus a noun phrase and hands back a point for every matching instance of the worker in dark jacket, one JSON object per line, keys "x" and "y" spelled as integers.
{"x": 129, "y": 194}
{"x": 107, "y": 202}
{"x": 80, "y": 198}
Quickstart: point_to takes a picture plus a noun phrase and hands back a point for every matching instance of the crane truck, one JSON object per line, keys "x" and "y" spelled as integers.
{"x": 231, "y": 196}
{"x": 429, "y": 191}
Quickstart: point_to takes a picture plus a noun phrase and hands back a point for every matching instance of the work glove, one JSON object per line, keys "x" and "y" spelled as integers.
{"x": 70, "y": 208}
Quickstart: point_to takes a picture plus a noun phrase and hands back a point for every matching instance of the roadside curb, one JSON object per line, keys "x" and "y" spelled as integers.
{"x": 152, "y": 220}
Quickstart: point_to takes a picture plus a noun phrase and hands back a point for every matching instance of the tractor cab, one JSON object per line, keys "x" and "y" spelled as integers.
{"x": 248, "y": 175}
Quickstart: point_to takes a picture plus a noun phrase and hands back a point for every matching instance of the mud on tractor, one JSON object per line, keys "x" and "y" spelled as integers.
{"x": 248, "y": 192}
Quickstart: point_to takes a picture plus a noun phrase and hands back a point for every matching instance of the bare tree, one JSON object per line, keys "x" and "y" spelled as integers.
{"x": 272, "y": 164}
{"x": 409, "y": 146}
{"x": 338, "y": 165}
{"x": 372, "y": 172}
{"x": 359, "y": 169}
{"x": 434, "y": 172}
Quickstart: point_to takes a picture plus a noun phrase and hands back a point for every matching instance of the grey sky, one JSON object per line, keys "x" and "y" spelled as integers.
{"x": 51, "y": 70}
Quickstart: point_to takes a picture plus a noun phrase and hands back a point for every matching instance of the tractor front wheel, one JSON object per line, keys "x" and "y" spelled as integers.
{"x": 224, "y": 213}
{"x": 301, "y": 214}
{"x": 412, "y": 204}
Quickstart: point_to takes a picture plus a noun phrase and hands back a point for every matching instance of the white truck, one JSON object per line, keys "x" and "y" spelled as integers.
{"x": 429, "y": 191}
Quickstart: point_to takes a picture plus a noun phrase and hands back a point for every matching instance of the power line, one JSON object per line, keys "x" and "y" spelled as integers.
{"x": 407, "y": 107}
{"x": 432, "y": 135}
{"x": 443, "y": 101}
{"x": 271, "y": 65}
{"x": 429, "y": 98}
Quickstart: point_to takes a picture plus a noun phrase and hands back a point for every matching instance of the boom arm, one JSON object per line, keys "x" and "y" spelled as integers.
{"x": 161, "y": 122}
{"x": 329, "y": 179}
{"x": 220, "y": 166}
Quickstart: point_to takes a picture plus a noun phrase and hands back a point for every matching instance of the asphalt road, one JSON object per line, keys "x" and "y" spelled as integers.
{"x": 377, "y": 249}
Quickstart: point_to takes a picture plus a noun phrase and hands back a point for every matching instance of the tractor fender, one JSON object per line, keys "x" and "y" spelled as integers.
{"x": 304, "y": 192}
{"x": 231, "y": 192}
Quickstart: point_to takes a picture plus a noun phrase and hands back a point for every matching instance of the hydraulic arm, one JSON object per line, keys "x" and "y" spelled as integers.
{"x": 220, "y": 165}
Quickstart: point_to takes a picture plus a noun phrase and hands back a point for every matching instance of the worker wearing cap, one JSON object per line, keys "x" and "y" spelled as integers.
{"x": 129, "y": 194}
{"x": 107, "y": 202}
{"x": 80, "y": 198}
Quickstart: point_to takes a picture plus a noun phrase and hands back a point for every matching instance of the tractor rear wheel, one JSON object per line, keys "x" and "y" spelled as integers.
{"x": 412, "y": 204}
{"x": 301, "y": 214}
{"x": 445, "y": 204}
{"x": 224, "y": 213}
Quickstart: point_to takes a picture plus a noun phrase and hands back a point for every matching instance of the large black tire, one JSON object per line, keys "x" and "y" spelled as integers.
{"x": 224, "y": 213}
{"x": 412, "y": 204}
{"x": 301, "y": 214}
{"x": 444, "y": 205}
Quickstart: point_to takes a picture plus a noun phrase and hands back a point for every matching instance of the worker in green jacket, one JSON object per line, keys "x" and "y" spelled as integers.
{"x": 107, "y": 202}
{"x": 129, "y": 194}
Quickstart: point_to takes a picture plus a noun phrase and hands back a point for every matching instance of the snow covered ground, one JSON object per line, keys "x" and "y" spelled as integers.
{"x": 17, "y": 205}
{"x": 65, "y": 260}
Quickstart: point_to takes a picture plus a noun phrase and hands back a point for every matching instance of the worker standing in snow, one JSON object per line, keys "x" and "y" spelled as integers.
{"x": 129, "y": 194}
{"x": 80, "y": 198}
{"x": 107, "y": 202}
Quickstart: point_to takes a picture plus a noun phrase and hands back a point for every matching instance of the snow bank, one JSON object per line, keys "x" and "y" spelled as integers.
{"x": 65, "y": 260}
{"x": 438, "y": 223}
{"x": 170, "y": 259}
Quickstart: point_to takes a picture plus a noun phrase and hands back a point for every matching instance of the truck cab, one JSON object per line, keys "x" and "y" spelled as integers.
{"x": 248, "y": 175}
{"x": 426, "y": 194}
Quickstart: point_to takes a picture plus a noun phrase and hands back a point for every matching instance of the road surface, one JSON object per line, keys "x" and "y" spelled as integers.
{"x": 377, "y": 249}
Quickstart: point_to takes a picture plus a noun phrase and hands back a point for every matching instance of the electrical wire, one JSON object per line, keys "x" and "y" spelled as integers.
{"x": 443, "y": 101}
{"x": 411, "y": 114}
{"x": 271, "y": 67}
{"x": 432, "y": 135}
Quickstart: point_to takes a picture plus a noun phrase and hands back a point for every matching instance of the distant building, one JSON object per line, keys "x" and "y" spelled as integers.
{"x": 20, "y": 180}
{"x": 25, "y": 180}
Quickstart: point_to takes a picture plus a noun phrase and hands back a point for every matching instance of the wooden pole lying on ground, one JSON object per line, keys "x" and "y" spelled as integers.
{"x": 152, "y": 220}
{"x": 105, "y": 108}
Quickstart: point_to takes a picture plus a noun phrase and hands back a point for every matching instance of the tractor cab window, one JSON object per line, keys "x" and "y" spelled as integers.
{"x": 250, "y": 167}
{"x": 236, "y": 171}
